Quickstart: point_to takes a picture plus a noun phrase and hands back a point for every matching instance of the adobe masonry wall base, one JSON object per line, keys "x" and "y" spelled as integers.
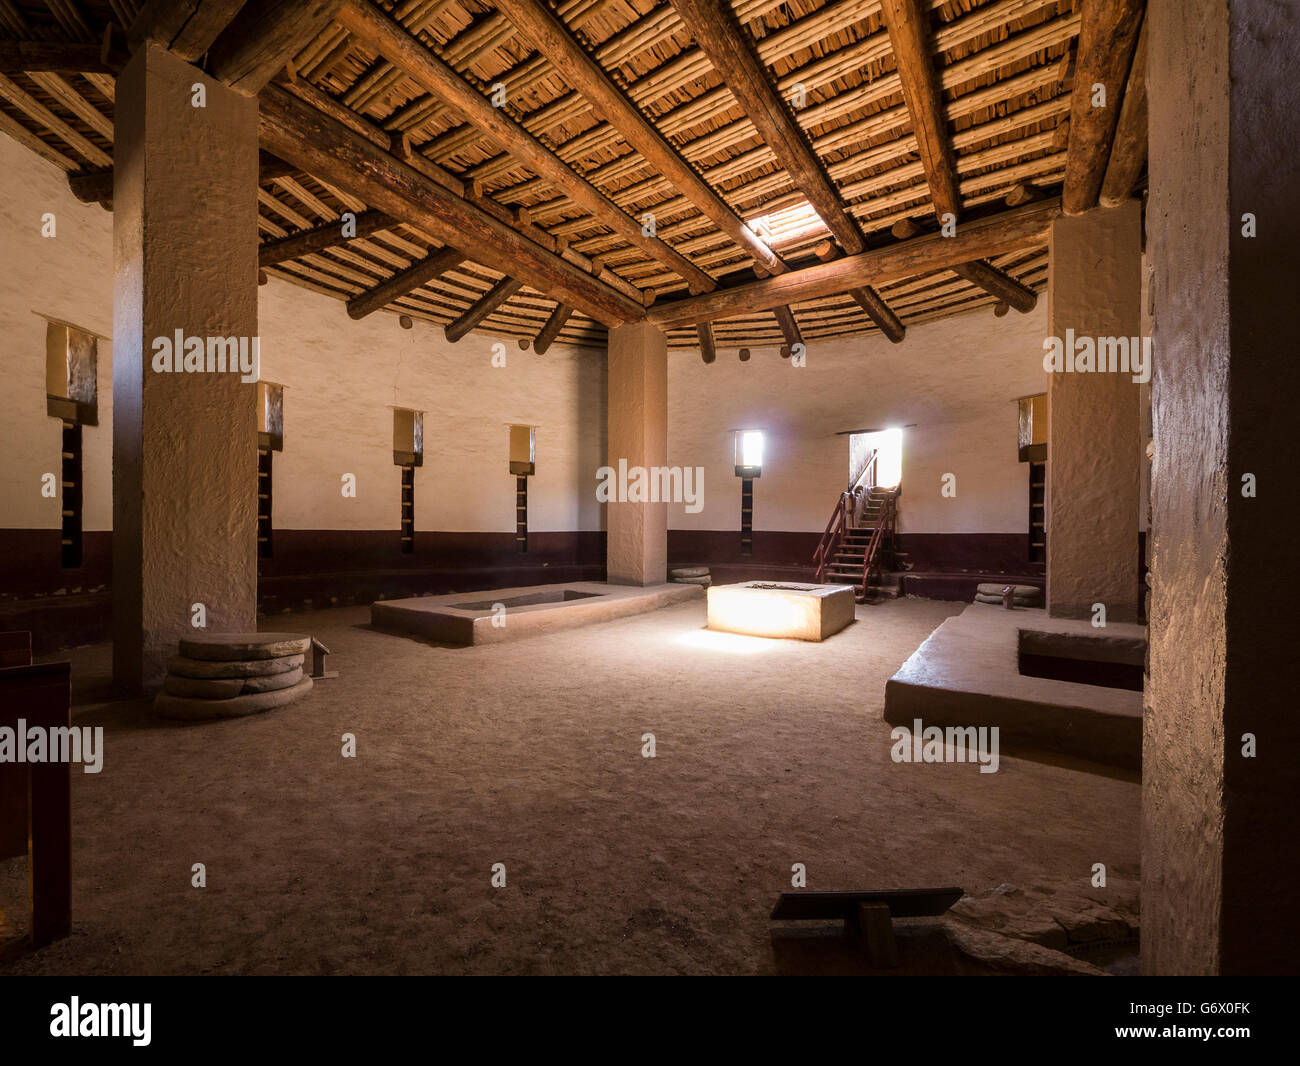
{"x": 791, "y": 610}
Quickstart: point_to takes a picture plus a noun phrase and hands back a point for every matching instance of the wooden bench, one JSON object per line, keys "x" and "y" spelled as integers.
{"x": 868, "y": 915}
{"x": 36, "y": 798}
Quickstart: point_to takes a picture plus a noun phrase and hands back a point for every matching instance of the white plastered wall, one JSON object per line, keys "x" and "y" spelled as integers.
{"x": 341, "y": 380}
{"x": 956, "y": 379}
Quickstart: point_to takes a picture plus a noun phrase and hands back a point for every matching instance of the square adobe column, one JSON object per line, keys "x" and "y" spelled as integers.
{"x": 637, "y": 539}
{"x": 1094, "y": 450}
{"x": 184, "y": 441}
{"x": 1221, "y": 730}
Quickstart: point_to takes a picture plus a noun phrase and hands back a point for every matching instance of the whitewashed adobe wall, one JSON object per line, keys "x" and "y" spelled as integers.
{"x": 341, "y": 379}
{"x": 956, "y": 379}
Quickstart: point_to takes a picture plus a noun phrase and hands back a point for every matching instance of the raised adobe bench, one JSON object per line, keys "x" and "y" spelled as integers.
{"x": 789, "y": 609}
{"x": 970, "y": 672}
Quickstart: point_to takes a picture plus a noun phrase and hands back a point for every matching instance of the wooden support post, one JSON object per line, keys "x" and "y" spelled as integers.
{"x": 875, "y": 927}
{"x": 41, "y": 696}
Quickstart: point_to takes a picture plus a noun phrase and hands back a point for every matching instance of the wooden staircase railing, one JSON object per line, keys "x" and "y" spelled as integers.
{"x": 848, "y": 509}
{"x": 884, "y": 527}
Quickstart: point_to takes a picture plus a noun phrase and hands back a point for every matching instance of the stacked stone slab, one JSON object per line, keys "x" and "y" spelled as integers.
{"x": 690, "y": 575}
{"x": 226, "y": 675}
{"x": 1021, "y": 595}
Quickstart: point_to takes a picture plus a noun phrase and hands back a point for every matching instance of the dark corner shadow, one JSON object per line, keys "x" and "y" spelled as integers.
{"x": 1070, "y": 762}
{"x": 827, "y": 950}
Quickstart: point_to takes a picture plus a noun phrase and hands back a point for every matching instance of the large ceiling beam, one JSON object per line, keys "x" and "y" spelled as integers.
{"x": 391, "y": 40}
{"x": 586, "y": 76}
{"x": 731, "y": 51}
{"x": 1108, "y": 32}
{"x": 481, "y": 308}
{"x": 331, "y": 151}
{"x": 866, "y": 297}
{"x": 184, "y": 27}
{"x": 25, "y": 56}
{"x": 908, "y": 24}
{"x": 263, "y": 37}
{"x": 96, "y": 186}
{"x": 404, "y": 282}
{"x": 1128, "y": 151}
{"x": 1006, "y": 232}
{"x": 319, "y": 238}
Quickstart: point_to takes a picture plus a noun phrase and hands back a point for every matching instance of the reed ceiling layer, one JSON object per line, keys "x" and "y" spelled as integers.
{"x": 566, "y": 126}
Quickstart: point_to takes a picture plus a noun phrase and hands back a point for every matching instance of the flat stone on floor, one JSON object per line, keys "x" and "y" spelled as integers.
{"x": 230, "y": 647}
{"x": 789, "y": 609}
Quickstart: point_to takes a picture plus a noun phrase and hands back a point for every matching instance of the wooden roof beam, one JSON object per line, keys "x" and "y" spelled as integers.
{"x": 998, "y": 283}
{"x": 908, "y": 24}
{"x": 708, "y": 346}
{"x": 866, "y": 297}
{"x": 392, "y": 41}
{"x": 789, "y": 330}
{"x": 879, "y": 312}
{"x": 731, "y": 50}
{"x": 186, "y": 28}
{"x": 552, "y": 328}
{"x": 1107, "y": 38}
{"x": 331, "y": 151}
{"x": 263, "y": 37}
{"x": 96, "y": 186}
{"x": 1128, "y": 151}
{"x": 984, "y": 238}
{"x": 18, "y": 57}
{"x": 404, "y": 282}
{"x": 552, "y": 39}
{"x": 482, "y": 307}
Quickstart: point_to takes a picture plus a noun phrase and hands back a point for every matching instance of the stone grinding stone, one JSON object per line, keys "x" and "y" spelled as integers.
{"x": 689, "y": 571}
{"x": 237, "y": 647}
{"x": 183, "y": 666}
{"x": 273, "y": 682}
{"x": 704, "y": 582}
{"x": 216, "y": 688}
{"x": 169, "y": 706}
{"x": 1018, "y": 601}
{"x": 1027, "y": 591}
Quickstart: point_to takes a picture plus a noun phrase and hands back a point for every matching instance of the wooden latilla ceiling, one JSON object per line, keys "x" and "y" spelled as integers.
{"x": 501, "y": 159}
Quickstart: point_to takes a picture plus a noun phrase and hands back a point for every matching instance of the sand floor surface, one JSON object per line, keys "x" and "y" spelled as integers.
{"x": 529, "y": 754}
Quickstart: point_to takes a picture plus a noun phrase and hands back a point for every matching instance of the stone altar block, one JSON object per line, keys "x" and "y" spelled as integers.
{"x": 781, "y": 609}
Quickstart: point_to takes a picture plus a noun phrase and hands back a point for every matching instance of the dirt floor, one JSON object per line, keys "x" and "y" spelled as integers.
{"x": 769, "y": 753}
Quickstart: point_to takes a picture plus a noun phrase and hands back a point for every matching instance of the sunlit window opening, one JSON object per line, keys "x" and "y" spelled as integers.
{"x": 750, "y": 447}
{"x": 889, "y": 456}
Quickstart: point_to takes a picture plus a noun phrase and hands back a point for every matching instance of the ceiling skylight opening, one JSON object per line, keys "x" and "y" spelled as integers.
{"x": 788, "y": 225}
